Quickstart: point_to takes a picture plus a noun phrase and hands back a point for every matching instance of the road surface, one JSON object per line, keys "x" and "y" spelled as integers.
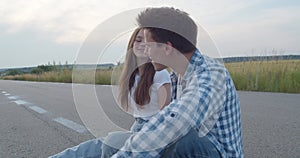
{"x": 41, "y": 119}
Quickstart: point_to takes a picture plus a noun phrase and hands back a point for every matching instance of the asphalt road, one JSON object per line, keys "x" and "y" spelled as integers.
{"x": 41, "y": 119}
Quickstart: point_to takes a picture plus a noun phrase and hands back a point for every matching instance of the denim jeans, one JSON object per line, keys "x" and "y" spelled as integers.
{"x": 88, "y": 149}
{"x": 189, "y": 146}
{"x": 93, "y": 148}
{"x": 115, "y": 140}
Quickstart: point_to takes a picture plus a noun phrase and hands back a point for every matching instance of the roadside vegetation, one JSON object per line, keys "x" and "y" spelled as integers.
{"x": 59, "y": 73}
{"x": 266, "y": 76}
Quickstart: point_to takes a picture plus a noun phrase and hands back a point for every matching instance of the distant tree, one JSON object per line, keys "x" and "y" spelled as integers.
{"x": 54, "y": 66}
{"x": 13, "y": 72}
{"x": 45, "y": 68}
{"x": 59, "y": 64}
{"x": 36, "y": 71}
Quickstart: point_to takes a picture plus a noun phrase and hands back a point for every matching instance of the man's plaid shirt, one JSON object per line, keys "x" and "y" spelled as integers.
{"x": 208, "y": 103}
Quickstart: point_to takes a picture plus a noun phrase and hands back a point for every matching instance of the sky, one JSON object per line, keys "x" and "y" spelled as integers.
{"x": 35, "y": 32}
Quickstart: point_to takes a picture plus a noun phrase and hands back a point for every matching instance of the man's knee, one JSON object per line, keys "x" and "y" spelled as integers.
{"x": 113, "y": 142}
{"x": 108, "y": 151}
{"x": 190, "y": 146}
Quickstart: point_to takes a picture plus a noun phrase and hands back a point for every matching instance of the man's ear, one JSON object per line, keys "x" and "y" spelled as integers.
{"x": 169, "y": 48}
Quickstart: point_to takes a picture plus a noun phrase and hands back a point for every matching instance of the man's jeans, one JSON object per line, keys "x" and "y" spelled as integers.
{"x": 189, "y": 146}
{"x": 88, "y": 149}
{"x": 192, "y": 146}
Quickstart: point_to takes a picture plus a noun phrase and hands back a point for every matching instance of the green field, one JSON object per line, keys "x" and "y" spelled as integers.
{"x": 266, "y": 76}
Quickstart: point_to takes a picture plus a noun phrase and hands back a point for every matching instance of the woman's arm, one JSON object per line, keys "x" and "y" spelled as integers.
{"x": 164, "y": 95}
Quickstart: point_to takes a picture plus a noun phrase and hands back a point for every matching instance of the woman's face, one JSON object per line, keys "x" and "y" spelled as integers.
{"x": 139, "y": 45}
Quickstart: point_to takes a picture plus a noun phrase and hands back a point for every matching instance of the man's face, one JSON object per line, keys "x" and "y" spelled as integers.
{"x": 155, "y": 51}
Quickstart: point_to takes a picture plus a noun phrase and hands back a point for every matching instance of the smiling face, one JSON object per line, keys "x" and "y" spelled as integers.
{"x": 156, "y": 51}
{"x": 139, "y": 45}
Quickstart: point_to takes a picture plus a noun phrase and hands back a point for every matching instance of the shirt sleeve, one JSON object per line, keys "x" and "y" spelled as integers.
{"x": 202, "y": 98}
{"x": 162, "y": 77}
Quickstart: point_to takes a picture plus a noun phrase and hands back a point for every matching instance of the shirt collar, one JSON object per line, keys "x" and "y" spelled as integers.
{"x": 194, "y": 61}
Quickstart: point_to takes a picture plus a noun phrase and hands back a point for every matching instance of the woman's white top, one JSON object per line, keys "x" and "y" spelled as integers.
{"x": 148, "y": 110}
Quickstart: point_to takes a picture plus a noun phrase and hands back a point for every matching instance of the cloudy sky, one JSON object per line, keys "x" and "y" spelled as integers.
{"x": 35, "y": 32}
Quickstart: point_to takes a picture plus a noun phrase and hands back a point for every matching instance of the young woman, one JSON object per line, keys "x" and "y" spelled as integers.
{"x": 142, "y": 90}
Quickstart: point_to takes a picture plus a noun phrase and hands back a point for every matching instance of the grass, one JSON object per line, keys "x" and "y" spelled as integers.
{"x": 266, "y": 76}
{"x": 79, "y": 76}
{"x": 51, "y": 76}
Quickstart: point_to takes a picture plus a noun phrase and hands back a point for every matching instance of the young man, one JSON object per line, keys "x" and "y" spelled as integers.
{"x": 203, "y": 119}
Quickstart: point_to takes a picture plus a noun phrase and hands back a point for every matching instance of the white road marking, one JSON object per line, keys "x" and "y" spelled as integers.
{"x": 70, "y": 124}
{"x": 12, "y": 97}
{"x": 3, "y": 92}
{"x": 21, "y": 102}
{"x": 38, "y": 109}
{"x": 6, "y": 94}
{"x": 65, "y": 122}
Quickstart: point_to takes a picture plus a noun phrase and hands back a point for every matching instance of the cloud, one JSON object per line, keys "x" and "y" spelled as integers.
{"x": 66, "y": 21}
{"x": 70, "y": 21}
{"x": 267, "y": 29}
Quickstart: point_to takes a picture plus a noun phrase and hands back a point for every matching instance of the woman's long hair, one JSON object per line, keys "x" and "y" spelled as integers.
{"x": 127, "y": 79}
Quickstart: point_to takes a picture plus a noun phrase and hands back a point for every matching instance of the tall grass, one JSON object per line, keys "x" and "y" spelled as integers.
{"x": 266, "y": 76}
{"x": 87, "y": 76}
{"x": 51, "y": 76}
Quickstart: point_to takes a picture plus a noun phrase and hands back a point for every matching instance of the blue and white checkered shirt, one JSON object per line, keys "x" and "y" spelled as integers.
{"x": 208, "y": 103}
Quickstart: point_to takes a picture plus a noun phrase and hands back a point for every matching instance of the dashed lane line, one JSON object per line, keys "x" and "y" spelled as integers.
{"x": 70, "y": 124}
{"x": 38, "y": 109}
{"x": 65, "y": 122}
{"x": 12, "y": 97}
{"x": 21, "y": 102}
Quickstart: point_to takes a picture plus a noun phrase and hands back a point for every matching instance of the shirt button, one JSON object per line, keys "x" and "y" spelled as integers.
{"x": 172, "y": 115}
